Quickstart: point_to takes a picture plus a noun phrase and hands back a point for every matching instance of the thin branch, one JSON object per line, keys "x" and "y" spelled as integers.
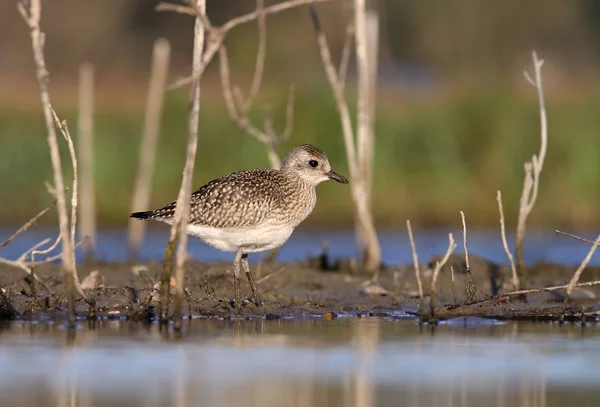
{"x": 31, "y": 12}
{"x": 498, "y": 298}
{"x": 533, "y": 169}
{"x": 27, "y": 225}
{"x": 575, "y": 237}
{"x": 182, "y": 210}
{"x": 515, "y": 277}
{"x": 436, "y": 272}
{"x": 260, "y": 54}
{"x": 177, "y": 8}
{"x": 581, "y": 267}
{"x": 415, "y": 260}
{"x": 346, "y": 54}
{"x": 464, "y": 223}
{"x": 64, "y": 128}
{"x": 217, "y": 34}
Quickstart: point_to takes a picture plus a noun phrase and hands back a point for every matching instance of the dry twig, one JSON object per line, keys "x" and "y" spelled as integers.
{"x": 500, "y": 297}
{"x": 358, "y": 174}
{"x": 217, "y": 35}
{"x": 515, "y": 277}
{"x": 31, "y": 12}
{"x": 533, "y": 170}
{"x": 581, "y": 267}
{"x": 28, "y": 224}
{"x": 415, "y": 261}
{"x": 436, "y": 272}
{"x": 67, "y": 135}
{"x": 182, "y": 209}
{"x": 575, "y": 237}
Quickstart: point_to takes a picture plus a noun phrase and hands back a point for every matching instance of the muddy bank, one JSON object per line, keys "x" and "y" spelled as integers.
{"x": 318, "y": 287}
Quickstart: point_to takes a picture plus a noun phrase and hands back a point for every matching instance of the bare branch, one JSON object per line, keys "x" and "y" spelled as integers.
{"x": 31, "y": 13}
{"x": 182, "y": 209}
{"x": 464, "y": 223}
{"x": 177, "y": 8}
{"x": 515, "y": 277}
{"x": 575, "y": 237}
{"x": 260, "y": 54}
{"x": 217, "y": 34}
{"x": 581, "y": 267}
{"x": 533, "y": 170}
{"x": 346, "y": 53}
{"x": 415, "y": 260}
{"x": 436, "y": 272}
{"x": 27, "y": 225}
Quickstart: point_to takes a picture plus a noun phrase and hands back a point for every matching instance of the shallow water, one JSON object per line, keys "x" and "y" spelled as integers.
{"x": 300, "y": 362}
{"x": 540, "y": 245}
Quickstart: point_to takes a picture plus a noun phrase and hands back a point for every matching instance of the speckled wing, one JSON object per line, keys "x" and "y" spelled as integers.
{"x": 239, "y": 199}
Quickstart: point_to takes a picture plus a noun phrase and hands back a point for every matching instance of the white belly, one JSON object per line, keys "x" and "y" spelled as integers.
{"x": 249, "y": 239}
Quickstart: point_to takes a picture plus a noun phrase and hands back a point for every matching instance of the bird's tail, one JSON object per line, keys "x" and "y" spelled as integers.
{"x": 147, "y": 215}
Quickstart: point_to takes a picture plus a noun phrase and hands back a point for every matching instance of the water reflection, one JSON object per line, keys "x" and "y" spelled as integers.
{"x": 307, "y": 362}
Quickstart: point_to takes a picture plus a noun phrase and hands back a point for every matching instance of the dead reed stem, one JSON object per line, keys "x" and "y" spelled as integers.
{"x": 28, "y": 224}
{"x": 498, "y": 298}
{"x": 152, "y": 125}
{"x": 31, "y": 12}
{"x": 575, "y": 237}
{"x": 470, "y": 288}
{"x": 217, "y": 34}
{"x": 87, "y": 211}
{"x": 413, "y": 248}
{"x": 182, "y": 210}
{"x": 360, "y": 192}
{"x": 436, "y": 272}
{"x": 62, "y": 125}
{"x": 580, "y": 269}
{"x": 515, "y": 276}
{"x": 533, "y": 170}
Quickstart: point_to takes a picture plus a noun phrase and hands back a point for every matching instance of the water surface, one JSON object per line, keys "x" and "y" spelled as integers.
{"x": 300, "y": 362}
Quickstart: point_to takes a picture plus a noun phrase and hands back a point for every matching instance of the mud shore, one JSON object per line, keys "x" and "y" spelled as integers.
{"x": 317, "y": 288}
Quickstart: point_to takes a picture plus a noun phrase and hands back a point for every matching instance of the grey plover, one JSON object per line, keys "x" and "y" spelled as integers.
{"x": 254, "y": 210}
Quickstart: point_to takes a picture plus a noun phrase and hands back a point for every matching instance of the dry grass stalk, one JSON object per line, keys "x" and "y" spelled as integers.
{"x": 453, "y": 285}
{"x": 436, "y": 272}
{"x": 152, "y": 124}
{"x": 413, "y": 248}
{"x": 470, "y": 288}
{"x": 580, "y": 269}
{"x": 31, "y": 11}
{"x": 360, "y": 191}
{"x": 217, "y": 34}
{"x": 575, "y": 237}
{"x": 87, "y": 213}
{"x": 28, "y": 224}
{"x": 181, "y": 217}
{"x": 67, "y": 135}
{"x": 238, "y": 112}
{"x": 520, "y": 293}
{"x": 533, "y": 170}
{"x": 238, "y": 106}
{"x": 515, "y": 276}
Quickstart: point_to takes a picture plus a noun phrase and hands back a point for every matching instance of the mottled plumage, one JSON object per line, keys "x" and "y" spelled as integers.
{"x": 254, "y": 210}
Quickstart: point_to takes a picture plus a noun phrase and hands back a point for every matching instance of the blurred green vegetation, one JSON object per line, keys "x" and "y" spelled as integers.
{"x": 434, "y": 157}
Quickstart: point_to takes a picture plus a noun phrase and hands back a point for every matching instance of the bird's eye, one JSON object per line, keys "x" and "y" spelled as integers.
{"x": 313, "y": 163}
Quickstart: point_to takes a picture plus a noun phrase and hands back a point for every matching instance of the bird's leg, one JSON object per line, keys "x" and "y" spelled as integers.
{"x": 255, "y": 293}
{"x": 236, "y": 278}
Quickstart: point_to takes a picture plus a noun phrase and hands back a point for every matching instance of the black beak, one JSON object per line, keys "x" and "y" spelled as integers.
{"x": 337, "y": 177}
